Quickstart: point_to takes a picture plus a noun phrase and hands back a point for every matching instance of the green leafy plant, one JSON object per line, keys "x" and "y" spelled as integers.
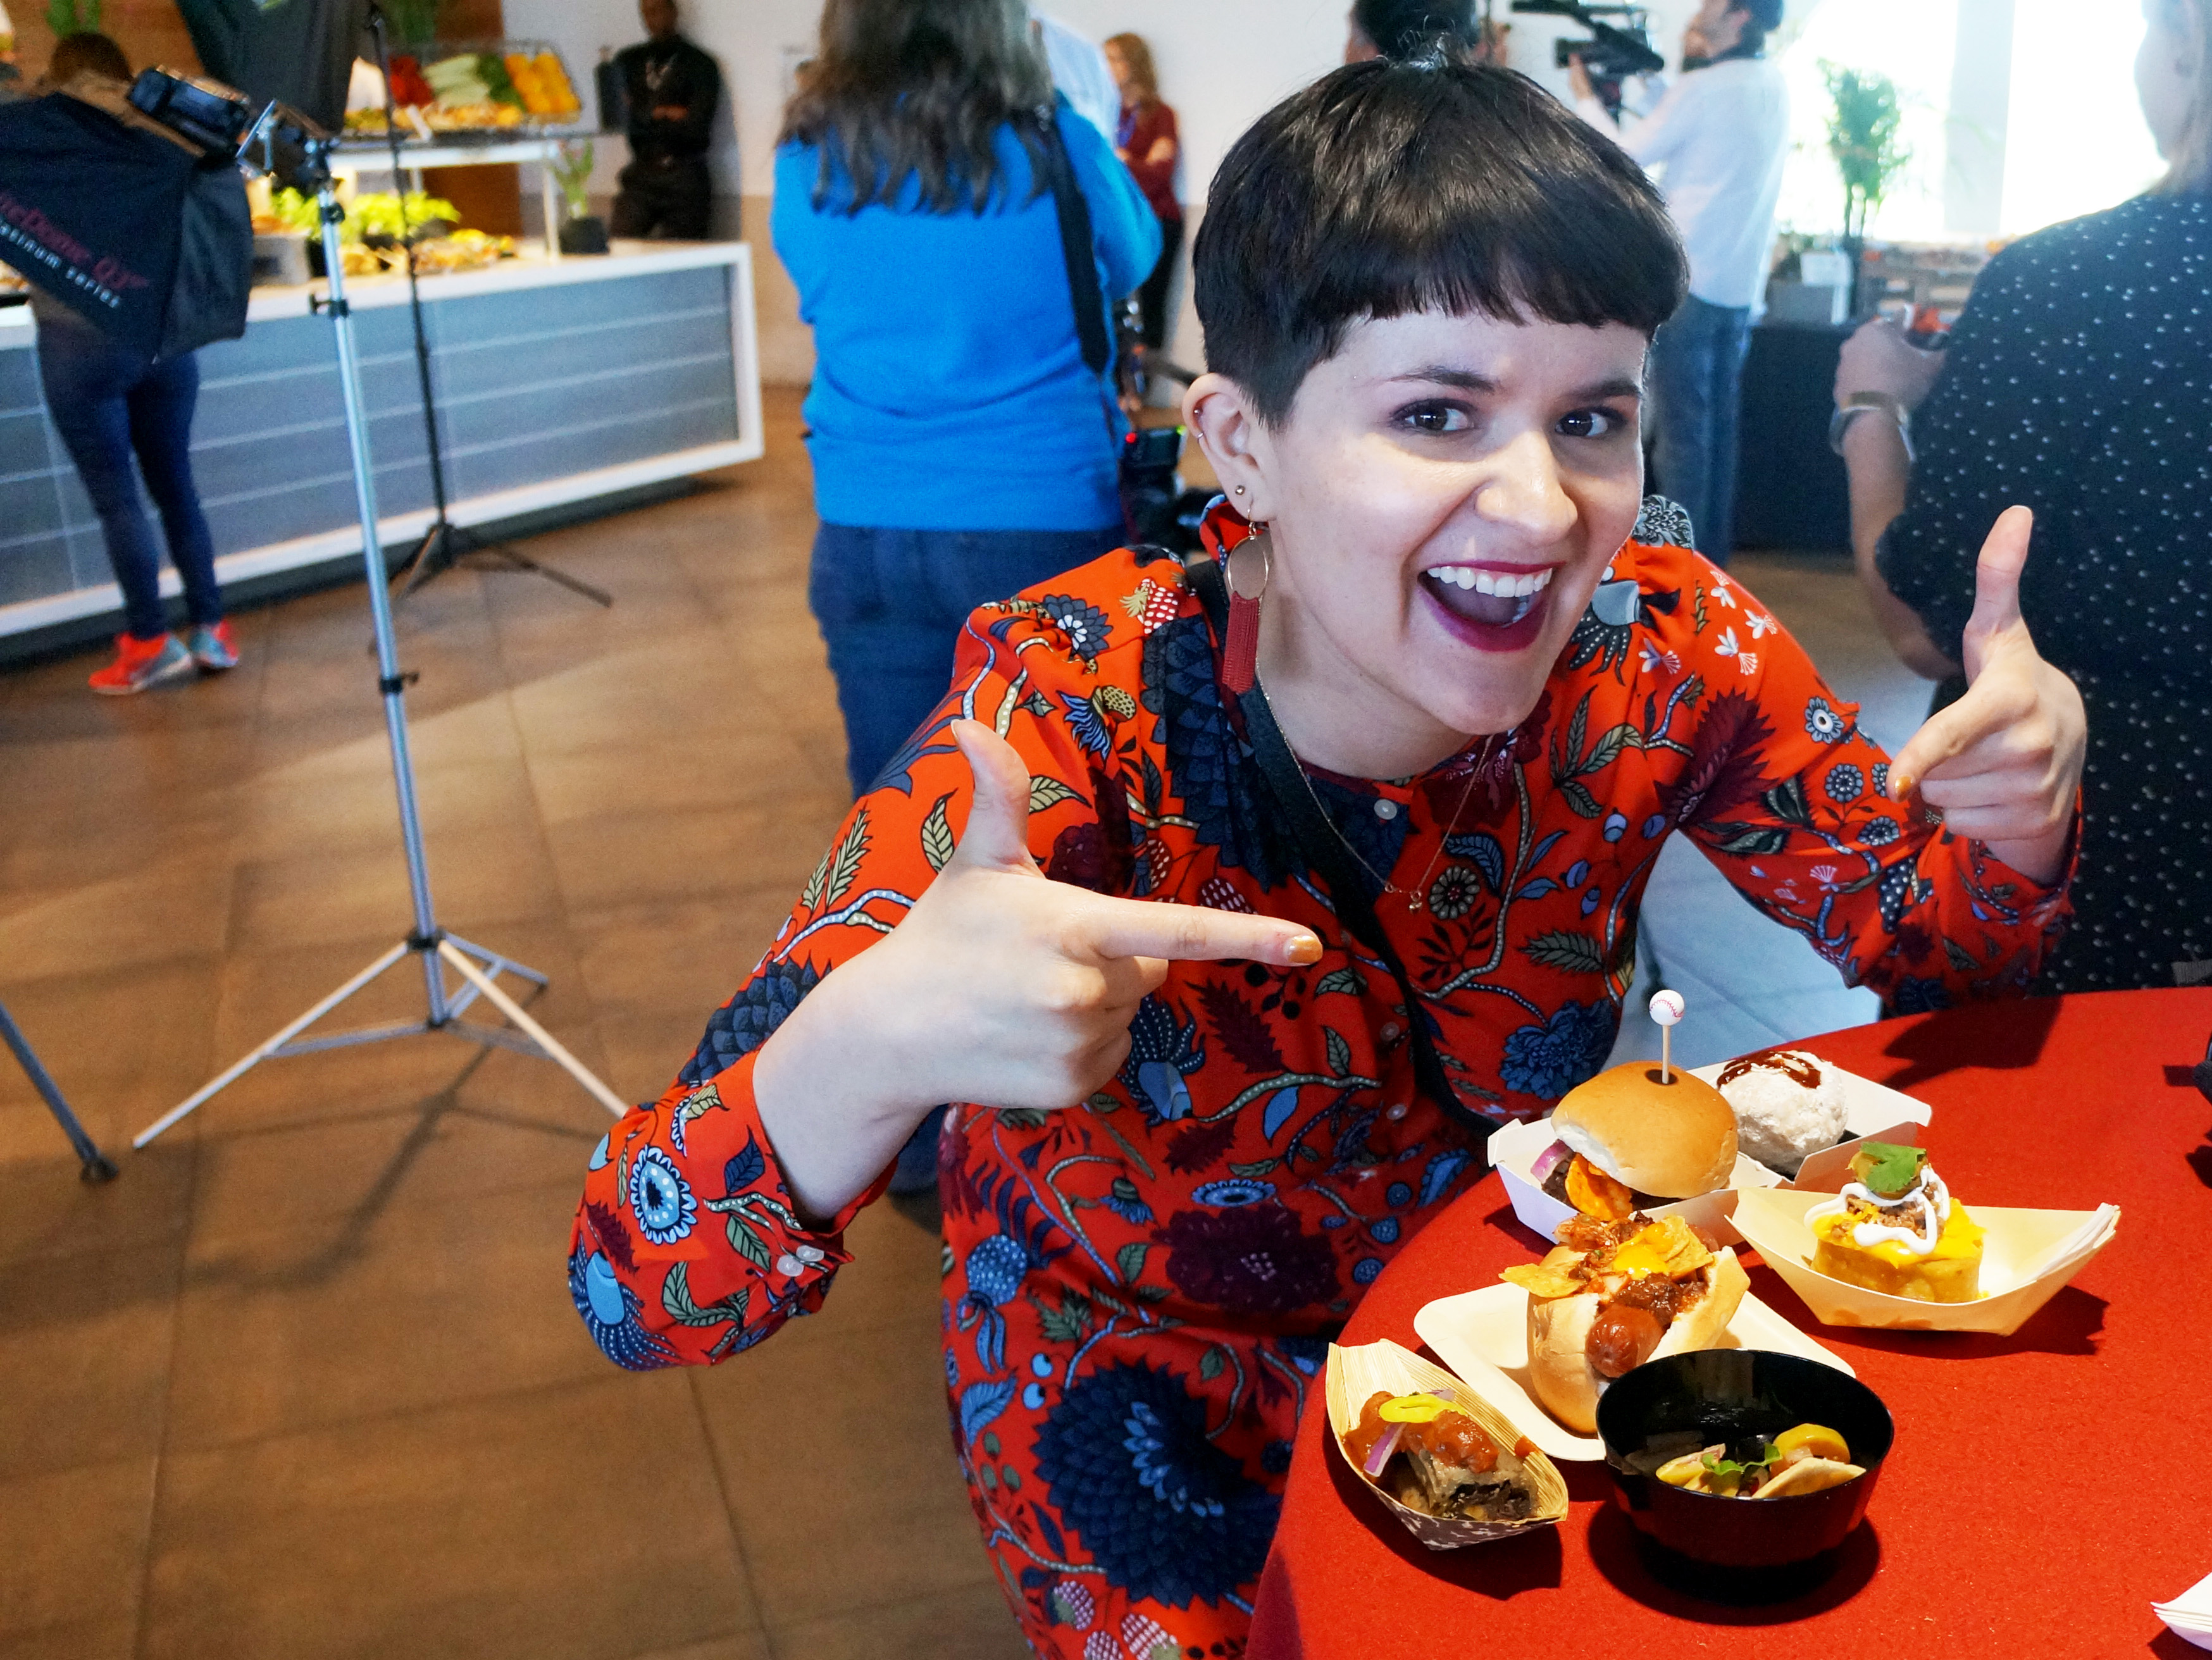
{"x": 572, "y": 171}
{"x": 67, "y": 17}
{"x": 1865, "y": 137}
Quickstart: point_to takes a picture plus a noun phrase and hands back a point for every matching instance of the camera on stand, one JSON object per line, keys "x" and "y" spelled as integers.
{"x": 1614, "y": 51}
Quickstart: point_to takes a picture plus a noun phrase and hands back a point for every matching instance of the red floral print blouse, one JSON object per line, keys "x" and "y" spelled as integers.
{"x": 1138, "y": 1291}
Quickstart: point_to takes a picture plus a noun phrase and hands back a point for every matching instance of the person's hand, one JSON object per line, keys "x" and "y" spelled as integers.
{"x": 1008, "y": 990}
{"x": 2003, "y": 763}
{"x": 1879, "y": 358}
{"x": 1578, "y": 78}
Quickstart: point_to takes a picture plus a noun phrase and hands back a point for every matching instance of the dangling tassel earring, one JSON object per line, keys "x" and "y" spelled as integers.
{"x": 1240, "y": 656}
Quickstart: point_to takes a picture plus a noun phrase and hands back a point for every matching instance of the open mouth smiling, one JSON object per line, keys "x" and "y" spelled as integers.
{"x": 1491, "y": 607}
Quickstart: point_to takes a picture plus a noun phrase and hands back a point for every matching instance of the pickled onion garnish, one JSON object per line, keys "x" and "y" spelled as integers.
{"x": 1382, "y": 1449}
{"x": 1547, "y": 1161}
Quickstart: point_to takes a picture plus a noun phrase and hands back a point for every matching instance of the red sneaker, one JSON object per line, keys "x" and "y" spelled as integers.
{"x": 140, "y": 664}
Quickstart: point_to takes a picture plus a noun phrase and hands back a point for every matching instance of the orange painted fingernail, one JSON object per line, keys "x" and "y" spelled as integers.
{"x": 1303, "y": 950}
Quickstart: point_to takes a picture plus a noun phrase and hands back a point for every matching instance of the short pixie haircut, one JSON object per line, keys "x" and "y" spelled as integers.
{"x": 1389, "y": 188}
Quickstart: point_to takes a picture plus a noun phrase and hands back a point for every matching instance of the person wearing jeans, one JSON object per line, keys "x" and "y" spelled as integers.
{"x": 1696, "y": 373}
{"x": 111, "y": 403}
{"x": 889, "y": 600}
{"x": 963, "y": 451}
{"x": 1715, "y": 140}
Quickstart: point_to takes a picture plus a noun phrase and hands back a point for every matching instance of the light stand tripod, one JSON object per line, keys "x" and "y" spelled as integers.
{"x": 478, "y": 968}
{"x": 96, "y": 1167}
{"x": 445, "y": 544}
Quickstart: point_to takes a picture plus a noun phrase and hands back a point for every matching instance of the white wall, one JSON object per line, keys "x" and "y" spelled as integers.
{"x": 1221, "y": 62}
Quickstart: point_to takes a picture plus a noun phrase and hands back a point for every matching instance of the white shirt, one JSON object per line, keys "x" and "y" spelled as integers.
{"x": 1716, "y": 141}
{"x": 1079, "y": 69}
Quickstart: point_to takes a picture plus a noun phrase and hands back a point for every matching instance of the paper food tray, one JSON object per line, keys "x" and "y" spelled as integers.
{"x": 1355, "y": 1375}
{"x": 1514, "y": 1148}
{"x": 2188, "y": 1617}
{"x": 1483, "y": 1335}
{"x": 1872, "y": 1112}
{"x": 2028, "y": 1255}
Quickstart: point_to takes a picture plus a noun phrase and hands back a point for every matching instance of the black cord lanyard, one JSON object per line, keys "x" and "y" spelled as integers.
{"x": 1326, "y": 854}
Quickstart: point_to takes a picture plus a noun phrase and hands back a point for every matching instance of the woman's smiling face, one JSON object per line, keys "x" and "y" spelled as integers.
{"x": 1443, "y": 497}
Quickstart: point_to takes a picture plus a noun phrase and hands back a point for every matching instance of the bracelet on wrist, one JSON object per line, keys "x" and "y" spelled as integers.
{"x": 1862, "y": 403}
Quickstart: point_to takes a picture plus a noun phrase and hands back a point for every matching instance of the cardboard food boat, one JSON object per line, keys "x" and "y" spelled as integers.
{"x": 2028, "y": 1255}
{"x": 1356, "y": 1374}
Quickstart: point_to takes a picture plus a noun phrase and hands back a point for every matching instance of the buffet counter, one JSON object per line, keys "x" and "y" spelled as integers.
{"x": 558, "y": 381}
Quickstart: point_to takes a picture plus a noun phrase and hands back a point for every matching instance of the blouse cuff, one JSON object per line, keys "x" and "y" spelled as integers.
{"x": 2028, "y": 895}
{"x": 714, "y": 1129}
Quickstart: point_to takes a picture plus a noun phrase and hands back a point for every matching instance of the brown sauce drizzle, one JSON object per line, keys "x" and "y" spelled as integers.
{"x": 1798, "y": 1070}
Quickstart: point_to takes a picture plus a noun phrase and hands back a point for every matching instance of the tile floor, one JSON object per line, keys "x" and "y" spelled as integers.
{"x": 305, "y": 1380}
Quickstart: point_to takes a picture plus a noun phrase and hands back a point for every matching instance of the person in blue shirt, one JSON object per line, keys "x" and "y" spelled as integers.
{"x": 963, "y": 451}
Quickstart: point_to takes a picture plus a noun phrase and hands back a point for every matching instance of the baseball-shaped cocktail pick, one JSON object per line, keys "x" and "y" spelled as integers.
{"x": 1666, "y": 1010}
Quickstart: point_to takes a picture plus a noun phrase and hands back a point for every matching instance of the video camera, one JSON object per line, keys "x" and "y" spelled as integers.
{"x": 1613, "y": 53}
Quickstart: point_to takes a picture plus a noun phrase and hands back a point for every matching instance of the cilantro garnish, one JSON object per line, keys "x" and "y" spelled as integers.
{"x": 1887, "y": 1169}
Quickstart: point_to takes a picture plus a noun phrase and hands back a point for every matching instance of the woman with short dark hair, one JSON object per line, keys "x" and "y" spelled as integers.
{"x": 1218, "y": 1071}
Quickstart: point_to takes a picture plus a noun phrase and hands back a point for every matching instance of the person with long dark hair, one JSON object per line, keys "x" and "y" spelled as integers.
{"x": 1149, "y": 144}
{"x": 2076, "y": 382}
{"x": 963, "y": 451}
{"x": 110, "y": 405}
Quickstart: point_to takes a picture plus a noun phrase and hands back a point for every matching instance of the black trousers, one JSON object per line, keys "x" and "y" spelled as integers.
{"x": 1152, "y": 294}
{"x": 672, "y": 201}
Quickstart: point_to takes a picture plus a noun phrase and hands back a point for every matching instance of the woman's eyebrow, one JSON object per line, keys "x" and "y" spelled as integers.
{"x": 1440, "y": 374}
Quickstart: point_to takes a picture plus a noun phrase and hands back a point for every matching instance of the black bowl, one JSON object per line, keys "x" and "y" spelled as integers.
{"x": 1739, "y": 1549}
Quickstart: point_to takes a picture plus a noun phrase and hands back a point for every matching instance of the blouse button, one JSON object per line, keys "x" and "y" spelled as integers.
{"x": 1385, "y": 808}
{"x": 1397, "y": 1111}
{"x": 1390, "y": 1030}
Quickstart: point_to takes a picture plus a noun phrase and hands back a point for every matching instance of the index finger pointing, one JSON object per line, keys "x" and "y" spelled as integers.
{"x": 1183, "y": 933}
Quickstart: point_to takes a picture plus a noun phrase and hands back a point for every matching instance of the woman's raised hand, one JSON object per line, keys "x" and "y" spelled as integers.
{"x": 1023, "y": 988}
{"x": 1000, "y": 986}
{"x": 2003, "y": 763}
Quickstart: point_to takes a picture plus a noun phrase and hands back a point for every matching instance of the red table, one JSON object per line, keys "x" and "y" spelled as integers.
{"x": 2044, "y": 1488}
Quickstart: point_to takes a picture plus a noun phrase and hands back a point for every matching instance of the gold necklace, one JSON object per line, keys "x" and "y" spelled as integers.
{"x": 1414, "y": 897}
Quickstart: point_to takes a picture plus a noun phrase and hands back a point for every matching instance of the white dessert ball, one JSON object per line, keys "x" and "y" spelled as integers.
{"x": 1787, "y": 1104}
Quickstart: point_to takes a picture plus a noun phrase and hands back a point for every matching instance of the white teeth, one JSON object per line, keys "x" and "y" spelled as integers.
{"x": 1493, "y": 582}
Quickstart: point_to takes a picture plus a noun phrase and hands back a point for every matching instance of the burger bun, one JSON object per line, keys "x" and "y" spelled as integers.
{"x": 1673, "y": 1140}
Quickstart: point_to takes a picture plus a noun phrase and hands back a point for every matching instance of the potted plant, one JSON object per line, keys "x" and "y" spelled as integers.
{"x": 581, "y": 232}
{"x": 1864, "y": 137}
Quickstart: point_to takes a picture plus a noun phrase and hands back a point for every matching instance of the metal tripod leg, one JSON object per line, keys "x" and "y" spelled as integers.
{"x": 427, "y": 940}
{"x": 96, "y": 1167}
{"x": 544, "y": 1040}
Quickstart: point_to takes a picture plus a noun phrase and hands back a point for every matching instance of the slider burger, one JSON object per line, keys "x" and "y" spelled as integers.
{"x": 1628, "y": 1142}
{"x": 1612, "y": 1295}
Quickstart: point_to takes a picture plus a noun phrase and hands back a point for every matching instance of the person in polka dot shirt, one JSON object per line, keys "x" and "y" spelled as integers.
{"x": 2078, "y": 383}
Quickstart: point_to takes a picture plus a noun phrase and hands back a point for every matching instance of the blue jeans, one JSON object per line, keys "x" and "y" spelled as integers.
{"x": 106, "y": 402}
{"x": 1697, "y": 376}
{"x": 891, "y": 603}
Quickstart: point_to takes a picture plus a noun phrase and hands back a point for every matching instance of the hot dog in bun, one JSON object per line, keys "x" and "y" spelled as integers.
{"x": 1612, "y": 1295}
